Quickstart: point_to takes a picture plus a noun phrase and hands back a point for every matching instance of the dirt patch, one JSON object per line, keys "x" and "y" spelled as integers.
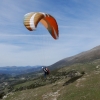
{"x": 51, "y": 95}
{"x": 78, "y": 84}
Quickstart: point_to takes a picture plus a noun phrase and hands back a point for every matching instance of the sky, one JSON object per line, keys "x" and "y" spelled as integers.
{"x": 79, "y": 30}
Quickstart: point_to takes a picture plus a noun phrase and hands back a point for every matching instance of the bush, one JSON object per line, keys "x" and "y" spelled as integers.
{"x": 1, "y": 95}
{"x": 83, "y": 72}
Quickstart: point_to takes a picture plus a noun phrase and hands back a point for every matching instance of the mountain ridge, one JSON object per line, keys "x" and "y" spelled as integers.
{"x": 82, "y": 57}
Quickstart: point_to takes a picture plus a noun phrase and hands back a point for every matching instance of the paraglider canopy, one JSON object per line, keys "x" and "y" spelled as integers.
{"x": 32, "y": 19}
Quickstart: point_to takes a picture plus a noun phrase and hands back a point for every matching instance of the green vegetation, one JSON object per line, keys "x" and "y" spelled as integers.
{"x": 79, "y": 81}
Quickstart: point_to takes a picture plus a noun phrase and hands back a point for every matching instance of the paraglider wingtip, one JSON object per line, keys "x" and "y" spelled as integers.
{"x": 56, "y": 38}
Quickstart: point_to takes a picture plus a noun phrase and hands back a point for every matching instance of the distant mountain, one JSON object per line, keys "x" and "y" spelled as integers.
{"x": 86, "y": 56}
{"x": 14, "y": 70}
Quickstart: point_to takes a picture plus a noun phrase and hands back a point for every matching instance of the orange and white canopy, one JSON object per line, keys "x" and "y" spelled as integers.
{"x": 32, "y": 19}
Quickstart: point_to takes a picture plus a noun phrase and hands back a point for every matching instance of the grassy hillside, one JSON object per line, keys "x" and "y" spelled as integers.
{"x": 58, "y": 86}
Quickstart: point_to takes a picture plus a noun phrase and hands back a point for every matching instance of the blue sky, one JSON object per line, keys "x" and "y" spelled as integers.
{"x": 79, "y": 30}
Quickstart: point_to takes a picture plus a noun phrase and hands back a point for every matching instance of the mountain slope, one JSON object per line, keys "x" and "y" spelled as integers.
{"x": 86, "y": 56}
{"x": 77, "y": 88}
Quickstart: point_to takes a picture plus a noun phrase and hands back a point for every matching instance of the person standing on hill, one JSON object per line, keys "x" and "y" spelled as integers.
{"x": 46, "y": 71}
